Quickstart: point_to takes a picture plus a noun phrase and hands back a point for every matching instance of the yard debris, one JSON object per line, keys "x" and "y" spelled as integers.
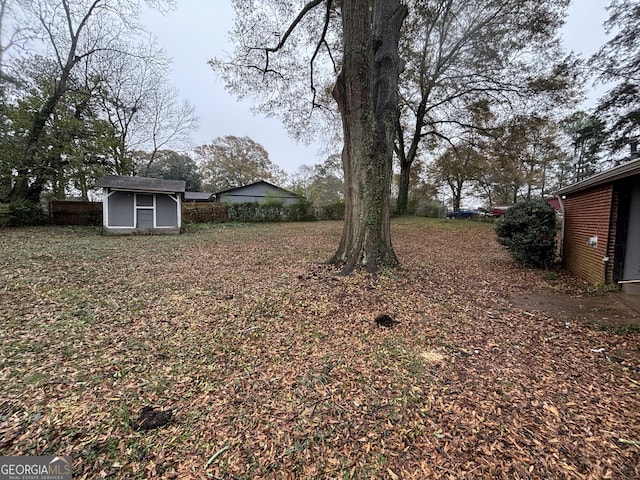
{"x": 462, "y": 353}
{"x": 386, "y": 321}
{"x": 150, "y": 418}
{"x": 432, "y": 356}
{"x": 213, "y": 457}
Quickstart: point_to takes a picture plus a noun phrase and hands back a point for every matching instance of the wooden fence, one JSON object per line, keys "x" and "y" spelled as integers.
{"x": 75, "y": 213}
{"x": 90, "y": 213}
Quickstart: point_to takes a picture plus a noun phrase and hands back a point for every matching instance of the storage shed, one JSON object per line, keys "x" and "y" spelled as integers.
{"x": 601, "y": 227}
{"x": 141, "y": 205}
{"x": 259, "y": 192}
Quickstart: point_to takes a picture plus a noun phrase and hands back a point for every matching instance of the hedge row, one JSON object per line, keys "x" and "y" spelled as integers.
{"x": 301, "y": 211}
{"x": 22, "y": 213}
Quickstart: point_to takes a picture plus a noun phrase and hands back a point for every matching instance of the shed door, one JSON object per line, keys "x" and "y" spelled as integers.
{"x": 631, "y": 269}
{"x": 144, "y": 210}
{"x": 145, "y": 218}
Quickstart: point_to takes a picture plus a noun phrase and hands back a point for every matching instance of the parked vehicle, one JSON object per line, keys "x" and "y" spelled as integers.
{"x": 463, "y": 213}
{"x": 498, "y": 210}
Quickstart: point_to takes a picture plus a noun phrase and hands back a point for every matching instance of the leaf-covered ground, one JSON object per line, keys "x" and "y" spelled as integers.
{"x": 275, "y": 367}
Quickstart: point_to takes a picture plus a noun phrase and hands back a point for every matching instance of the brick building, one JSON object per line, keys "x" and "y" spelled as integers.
{"x": 601, "y": 227}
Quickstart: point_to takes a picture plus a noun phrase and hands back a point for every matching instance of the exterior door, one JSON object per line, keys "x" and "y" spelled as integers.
{"x": 145, "y": 218}
{"x": 631, "y": 270}
{"x": 144, "y": 211}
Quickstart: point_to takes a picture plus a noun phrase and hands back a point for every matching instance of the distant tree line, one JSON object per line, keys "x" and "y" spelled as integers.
{"x": 487, "y": 96}
{"x": 82, "y": 88}
{"x": 469, "y": 98}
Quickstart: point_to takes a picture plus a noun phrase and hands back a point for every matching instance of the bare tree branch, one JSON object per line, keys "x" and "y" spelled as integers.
{"x": 305, "y": 10}
{"x": 321, "y": 42}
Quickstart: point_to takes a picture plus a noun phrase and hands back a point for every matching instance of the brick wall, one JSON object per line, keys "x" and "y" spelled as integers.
{"x": 588, "y": 214}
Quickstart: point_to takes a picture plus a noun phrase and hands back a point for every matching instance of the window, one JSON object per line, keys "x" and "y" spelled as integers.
{"x": 143, "y": 200}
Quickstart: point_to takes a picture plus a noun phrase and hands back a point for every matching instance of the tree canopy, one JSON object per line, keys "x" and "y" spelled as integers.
{"x": 323, "y": 183}
{"x": 618, "y": 63}
{"x": 171, "y": 165}
{"x": 88, "y": 88}
{"x": 461, "y": 53}
{"x": 232, "y": 161}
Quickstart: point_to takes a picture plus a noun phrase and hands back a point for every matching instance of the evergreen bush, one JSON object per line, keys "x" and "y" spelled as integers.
{"x": 528, "y": 230}
{"x": 21, "y": 213}
{"x": 300, "y": 211}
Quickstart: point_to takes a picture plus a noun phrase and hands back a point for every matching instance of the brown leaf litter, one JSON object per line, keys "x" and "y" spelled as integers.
{"x": 273, "y": 366}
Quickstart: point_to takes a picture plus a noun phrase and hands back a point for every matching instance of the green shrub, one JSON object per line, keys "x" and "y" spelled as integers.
{"x": 528, "y": 230}
{"x": 331, "y": 211}
{"x": 300, "y": 211}
{"x": 430, "y": 209}
{"x": 21, "y": 213}
{"x": 4, "y": 214}
{"x": 255, "y": 212}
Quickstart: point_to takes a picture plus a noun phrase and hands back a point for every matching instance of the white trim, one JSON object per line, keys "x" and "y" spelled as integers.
{"x": 151, "y": 207}
{"x": 105, "y": 207}
{"x": 178, "y": 199}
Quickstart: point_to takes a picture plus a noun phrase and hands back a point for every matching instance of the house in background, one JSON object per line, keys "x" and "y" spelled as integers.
{"x": 199, "y": 197}
{"x": 601, "y": 227}
{"x": 259, "y": 192}
{"x": 141, "y": 205}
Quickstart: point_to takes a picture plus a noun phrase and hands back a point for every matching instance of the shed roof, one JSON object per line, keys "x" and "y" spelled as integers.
{"x": 141, "y": 184}
{"x": 620, "y": 172}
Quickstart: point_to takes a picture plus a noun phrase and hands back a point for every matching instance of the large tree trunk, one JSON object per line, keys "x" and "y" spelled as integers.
{"x": 22, "y": 189}
{"x": 406, "y": 158}
{"x": 366, "y": 94}
{"x": 403, "y": 188}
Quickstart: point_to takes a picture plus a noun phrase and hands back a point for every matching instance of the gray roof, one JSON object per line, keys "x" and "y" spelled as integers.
{"x": 625, "y": 170}
{"x": 141, "y": 184}
{"x": 195, "y": 196}
{"x": 235, "y": 189}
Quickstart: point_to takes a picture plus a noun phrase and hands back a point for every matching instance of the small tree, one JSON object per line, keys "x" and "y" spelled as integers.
{"x": 528, "y": 230}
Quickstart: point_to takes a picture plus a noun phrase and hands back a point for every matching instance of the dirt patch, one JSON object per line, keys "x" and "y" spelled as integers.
{"x": 616, "y": 312}
{"x": 613, "y": 310}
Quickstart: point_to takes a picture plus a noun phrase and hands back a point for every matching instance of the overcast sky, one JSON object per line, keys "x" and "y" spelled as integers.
{"x": 197, "y": 30}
